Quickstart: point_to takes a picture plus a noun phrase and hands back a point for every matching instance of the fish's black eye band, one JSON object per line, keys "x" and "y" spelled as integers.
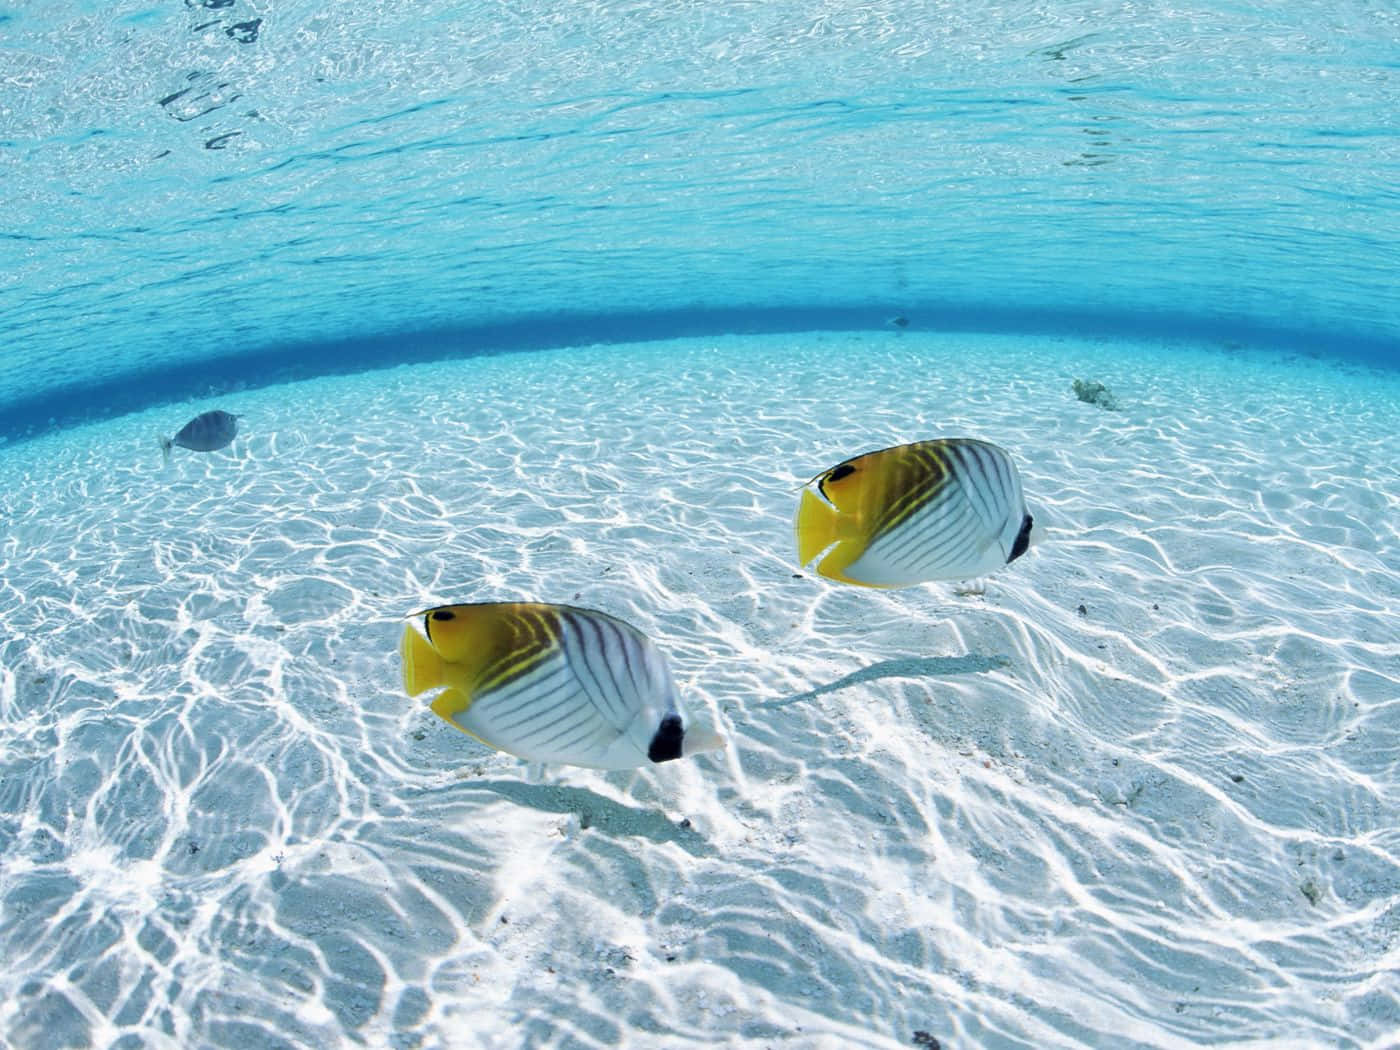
{"x": 435, "y": 614}
{"x": 844, "y": 470}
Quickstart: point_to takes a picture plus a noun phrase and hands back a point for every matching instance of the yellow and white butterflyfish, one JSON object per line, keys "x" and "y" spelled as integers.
{"x": 550, "y": 683}
{"x": 945, "y": 509}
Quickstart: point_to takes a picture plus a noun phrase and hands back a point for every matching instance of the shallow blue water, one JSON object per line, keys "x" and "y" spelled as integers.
{"x": 189, "y": 184}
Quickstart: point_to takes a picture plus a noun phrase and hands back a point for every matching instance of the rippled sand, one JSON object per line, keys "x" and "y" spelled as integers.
{"x": 1141, "y": 791}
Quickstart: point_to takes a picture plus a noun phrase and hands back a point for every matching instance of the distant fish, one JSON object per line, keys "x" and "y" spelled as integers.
{"x": 550, "y": 683}
{"x": 206, "y": 432}
{"x": 947, "y": 509}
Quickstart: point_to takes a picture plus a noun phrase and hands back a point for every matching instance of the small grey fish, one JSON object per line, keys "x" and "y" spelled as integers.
{"x": 206, "y": 432}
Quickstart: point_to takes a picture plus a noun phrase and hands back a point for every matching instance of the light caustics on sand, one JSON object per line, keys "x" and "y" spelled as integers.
{"x": 1142, "y": 788}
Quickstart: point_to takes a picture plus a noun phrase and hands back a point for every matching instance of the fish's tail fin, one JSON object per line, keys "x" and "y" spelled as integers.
{"x": 818, "y": 526}
{"x": 165, "y": 446}
{"x": 423, "y": 668}
{"x": 697, "y": 739}
{"x": 1038, "y": 534}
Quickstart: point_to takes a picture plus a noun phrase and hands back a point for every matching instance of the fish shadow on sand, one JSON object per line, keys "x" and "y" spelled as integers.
{"x": 904, "y": 667}
{"x": 597, "y": 811}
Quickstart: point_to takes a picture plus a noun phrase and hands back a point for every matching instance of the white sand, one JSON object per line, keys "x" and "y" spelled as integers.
{"x": 1142, "y": 792}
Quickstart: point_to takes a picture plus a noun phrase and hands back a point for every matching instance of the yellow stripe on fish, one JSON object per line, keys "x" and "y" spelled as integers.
{"x": 550, "y": 683}
{"x": 946, "y": 509}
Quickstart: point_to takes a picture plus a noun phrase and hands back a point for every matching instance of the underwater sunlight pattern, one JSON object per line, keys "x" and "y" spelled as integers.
{"x": 1142, "y": 789}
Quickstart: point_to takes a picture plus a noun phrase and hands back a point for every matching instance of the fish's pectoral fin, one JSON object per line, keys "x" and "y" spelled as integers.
{"x": 449, "y": 705}
{"x": 834, "y": 566}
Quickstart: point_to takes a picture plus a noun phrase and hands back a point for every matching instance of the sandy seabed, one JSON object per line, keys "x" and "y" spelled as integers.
{"x": 1141, "y": 791}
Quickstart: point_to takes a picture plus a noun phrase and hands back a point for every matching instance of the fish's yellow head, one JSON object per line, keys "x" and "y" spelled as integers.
{"x": 461, "y": 637}
{"x": 453, "y": 631}
{"x": 832, "y": 516}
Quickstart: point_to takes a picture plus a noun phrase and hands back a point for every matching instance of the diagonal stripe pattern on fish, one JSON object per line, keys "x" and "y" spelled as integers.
{"x": 945, "y": 509}
{"x": 550, "y": 683}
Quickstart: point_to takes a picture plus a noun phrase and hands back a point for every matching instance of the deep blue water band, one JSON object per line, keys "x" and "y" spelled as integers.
{"x": 71, "y": 405}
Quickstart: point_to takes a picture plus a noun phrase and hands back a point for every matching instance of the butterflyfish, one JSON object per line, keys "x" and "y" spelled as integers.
{"x": 946, "y": 509}
{"x": 550, "y": 683}
{"x": 206, "y": 432}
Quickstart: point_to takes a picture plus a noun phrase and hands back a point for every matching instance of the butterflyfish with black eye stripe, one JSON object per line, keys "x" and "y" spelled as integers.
{"x": 550, "y": 683}
{"x": 946, "y": 509}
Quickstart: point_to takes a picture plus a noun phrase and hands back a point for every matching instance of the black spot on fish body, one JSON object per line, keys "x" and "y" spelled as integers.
{"x": 666, "y": 743}
{"x": 1023, "y": 540}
